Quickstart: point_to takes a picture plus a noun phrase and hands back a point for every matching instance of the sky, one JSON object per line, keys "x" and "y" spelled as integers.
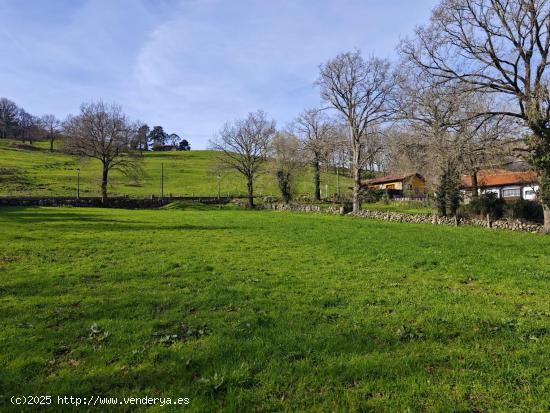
{"x": 188, "y": 65}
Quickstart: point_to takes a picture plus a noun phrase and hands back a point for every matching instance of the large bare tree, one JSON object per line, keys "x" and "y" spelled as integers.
{"x": 451, "y": 127}
{"x": 499, "y": 47}
{"x": 489, "y": 143}
{"x": 433, "y": 113}
{"x": 316, "y": 131}
{"x": 52, "y": 127}
{"x": 244, "y": 144}
{"x": 102, "y": 131}
{"x": 359, "y": 90}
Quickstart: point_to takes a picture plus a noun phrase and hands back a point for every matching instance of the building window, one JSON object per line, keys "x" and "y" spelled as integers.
{"x": 491, "y": 191}
{"x": 511, "y": 193}
{"x": 531, "y": 192}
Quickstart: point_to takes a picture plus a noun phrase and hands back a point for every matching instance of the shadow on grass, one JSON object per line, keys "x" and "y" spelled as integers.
{"x": 28, "y": 215}
{"x": 97, "y": 222}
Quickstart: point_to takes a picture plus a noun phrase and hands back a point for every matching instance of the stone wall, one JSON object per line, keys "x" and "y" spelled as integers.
{"x": 302, "y": 208}
{"x": 114, "y": 202}
{"x": 513, "y": 225}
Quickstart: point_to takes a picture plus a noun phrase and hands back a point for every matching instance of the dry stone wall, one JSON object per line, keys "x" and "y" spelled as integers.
{"x": 513, "y": 225}
{"x": 113, "y": 202}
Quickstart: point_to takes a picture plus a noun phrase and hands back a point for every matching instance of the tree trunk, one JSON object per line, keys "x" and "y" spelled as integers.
{"x": 104, "y": 179}
{"x": 250, "y": 190}
{"x": 546, "y": 210}
{"x": 337, "y": 181}
{"x": 356, "y": 189}
{"x": 51, "y": 144}
{"x": 356, "y": 170}
{"x": 475, "y": 186}
{"x": 317, "y": 180}
{"x": 544, "y": 191}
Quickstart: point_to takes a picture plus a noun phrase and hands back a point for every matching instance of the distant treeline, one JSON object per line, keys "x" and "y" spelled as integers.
{"x": 17, "y": 123}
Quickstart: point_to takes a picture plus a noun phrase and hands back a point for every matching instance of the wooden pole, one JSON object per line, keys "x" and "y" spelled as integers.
{"x": 337, "y": 180}
{"x": 162, "y": 180}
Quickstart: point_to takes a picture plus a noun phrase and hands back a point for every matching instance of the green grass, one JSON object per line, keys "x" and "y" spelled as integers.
{"x": 409, "y": 207}
{"x": 263, "y": 311}
{"x": 42, "y": 173}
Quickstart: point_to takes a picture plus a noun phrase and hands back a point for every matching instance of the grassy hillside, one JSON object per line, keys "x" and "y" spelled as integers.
{"x": 259, "y": 311}
{"x": 39, "y": 172}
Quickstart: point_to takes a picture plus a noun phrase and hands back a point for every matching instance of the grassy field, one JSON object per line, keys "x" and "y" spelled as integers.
{"x": 261, "y": 311}
{"x": 409, "y": 207}
{"x": 39, "y": 172}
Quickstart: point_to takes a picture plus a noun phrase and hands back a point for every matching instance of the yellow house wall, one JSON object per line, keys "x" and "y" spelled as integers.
{"x": 416, "y": 183}
{"x": 397, "y": 185}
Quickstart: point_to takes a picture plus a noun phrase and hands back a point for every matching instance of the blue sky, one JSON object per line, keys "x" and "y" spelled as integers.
{"x": 188, "y": 65}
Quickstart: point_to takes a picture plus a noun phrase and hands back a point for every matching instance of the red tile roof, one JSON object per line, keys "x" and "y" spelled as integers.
{"x": 389, "y": 178}
{"x": 499, "y": 177}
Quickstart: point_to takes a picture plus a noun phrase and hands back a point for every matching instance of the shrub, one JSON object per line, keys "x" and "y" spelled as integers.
{"x": 463, "y": 211}
{"x": 386, "y": 196}
{"x": 372, "y": 195}
{"x": 488, "y": 203}
{"x": 347, "y": 206}
{"x": 283, "y": 179}
{"x": 525, "y": 210}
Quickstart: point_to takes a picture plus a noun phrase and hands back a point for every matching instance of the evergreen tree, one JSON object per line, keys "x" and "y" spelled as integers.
{"x": 157, "y": 137}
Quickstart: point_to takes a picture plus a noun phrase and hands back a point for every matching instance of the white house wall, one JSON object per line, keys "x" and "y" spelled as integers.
{"x": 525, "y": 191}
{"x": 530, "y": 192}
{"x": 505, "y": 191}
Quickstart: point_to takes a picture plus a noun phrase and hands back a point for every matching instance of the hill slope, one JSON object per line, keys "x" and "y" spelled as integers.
{"x": 38, "y": 172}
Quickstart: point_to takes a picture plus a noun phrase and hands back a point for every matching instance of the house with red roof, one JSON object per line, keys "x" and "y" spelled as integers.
{"x": 508, "y": 185}
{"x": 410, "y": 185}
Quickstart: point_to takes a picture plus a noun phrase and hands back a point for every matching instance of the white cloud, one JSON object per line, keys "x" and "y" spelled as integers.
{"x": 191, "y": 66}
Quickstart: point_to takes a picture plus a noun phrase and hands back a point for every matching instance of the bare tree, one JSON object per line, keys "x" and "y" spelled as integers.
{"x": 140, "y": 141}
{"x": 489, "y": 144}
{"x": 373, "y": 150}
{"x": 8, "y": 118}
{"x": 434, "y": 113}
{"x": 28, "y": 127}
{"x": 316, "y": 131}
{"x": 499, "y": 47}
{"x": 52, "y": 127}
{"x": 451, "y": 126}
{"x": 244, "y": 145}
{"x": 408, "y": 152}
{"x": 359, "y": 90}
{"x": 103, "y": 132}
{"x": 286, "y": 154}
